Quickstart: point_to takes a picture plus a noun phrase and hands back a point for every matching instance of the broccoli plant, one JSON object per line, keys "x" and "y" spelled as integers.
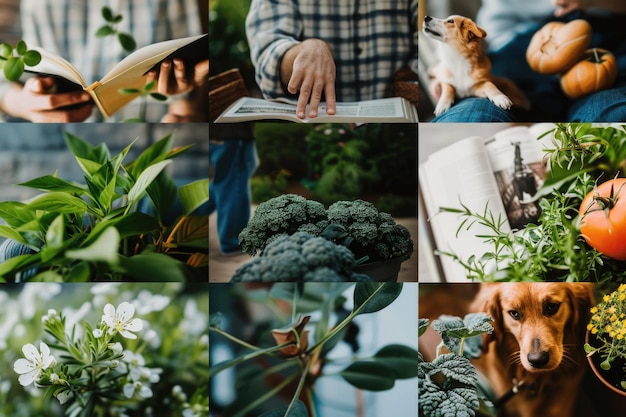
{"x": 448, "y": 386}
{"x": 376, "y": 234}
{"x": 300, "y": 257}
{"x": 283, "y": 215}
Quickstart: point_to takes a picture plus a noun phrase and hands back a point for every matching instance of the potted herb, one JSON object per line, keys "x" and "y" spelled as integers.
{"x": 114, "y": 226}
{"x": 606, "y": 340}
{"x": 580, "y": 202}
{"x": 373, "y": 237}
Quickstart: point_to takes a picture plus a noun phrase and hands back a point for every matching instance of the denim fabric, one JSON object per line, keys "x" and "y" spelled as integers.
{"x": 472, "y": 110}
{"x": 233, "y": 162}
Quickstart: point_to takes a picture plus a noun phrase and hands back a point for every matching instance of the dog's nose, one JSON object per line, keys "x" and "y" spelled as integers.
{"x": 427, "y": 19}
{"x": 538, "y": 359}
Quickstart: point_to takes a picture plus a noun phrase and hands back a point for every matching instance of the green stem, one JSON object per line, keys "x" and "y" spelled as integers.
{"x": 234, "y": 339}
{"x": 296, "y": 394}
{"x": 266, "y": 396}
{"x": 228, "y": 364}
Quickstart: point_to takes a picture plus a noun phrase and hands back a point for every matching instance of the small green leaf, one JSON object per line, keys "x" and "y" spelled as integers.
{"x": 105, "y": 31}
{"x": 6, "y": 50}
{"x": 158, "y": 96}
{"x": 56, "y": 232}
{"x": 127, "y": 41}
{"x": 374, "y": 296}
{"x": 79, "y": 146}
{"x": 371, "y": 376}
{"x": 129, "y": 91}
{"x": 10, "y": 233}
{"x": 21, "y": 47}
{"x": 150, "y": 86}
{"x": 107, "y": 13}
{"x": 151, "y": 266}
{"x": 32, "y": 58}
{"x": 13, "y": 68}
{"x": 401, "y": 359}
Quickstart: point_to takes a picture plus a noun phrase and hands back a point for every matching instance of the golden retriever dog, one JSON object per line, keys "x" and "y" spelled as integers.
{"x": 537, "y": 343}
{"x": 463, "y": 69}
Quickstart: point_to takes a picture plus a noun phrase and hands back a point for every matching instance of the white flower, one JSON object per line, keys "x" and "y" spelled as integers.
{"x": 137, "y": 387}
{"x": 63, "y": 396}
{"x": 147, "y": 302}
{"x": 121, "y": 320}
{"x": 97, "y": 333}
{"x": 116, "y": 347}
{"x": 35, "y": 362}
{"x": 52, "y": 315}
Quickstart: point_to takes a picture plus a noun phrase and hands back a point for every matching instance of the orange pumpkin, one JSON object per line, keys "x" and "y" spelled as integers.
{"x": 557, "y": 46}
{"x": 596, "y": 71}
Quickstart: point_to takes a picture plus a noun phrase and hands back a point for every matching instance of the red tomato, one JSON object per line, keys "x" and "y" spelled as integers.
{"x": 603, "y": 218}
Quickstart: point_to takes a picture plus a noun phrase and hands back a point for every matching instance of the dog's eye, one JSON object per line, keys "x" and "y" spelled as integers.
{"x": 450, "y": 21}
{"x": 515, "y": 314}
{"x": 551, "y": 308}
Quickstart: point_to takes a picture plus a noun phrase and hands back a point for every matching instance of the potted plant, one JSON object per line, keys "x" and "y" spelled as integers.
{"x": 568, "y": 240}
{"x": 372, "y": 236}
{"x": 114, "y": 226}
{"x": 605, "y": 342}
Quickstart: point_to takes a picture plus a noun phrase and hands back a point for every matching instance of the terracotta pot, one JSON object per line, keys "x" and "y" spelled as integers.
{"x": 601, "y": 373}
{"x": 381, "y": 271}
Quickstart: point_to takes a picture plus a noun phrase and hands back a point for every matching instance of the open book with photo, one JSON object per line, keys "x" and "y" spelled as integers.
{"x": 500, "y": 173}
{"x": 129, "y": 73}
{"x": 385, "y": 110}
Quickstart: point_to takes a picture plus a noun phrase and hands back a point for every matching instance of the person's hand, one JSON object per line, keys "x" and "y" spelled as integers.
{"x": 309, "y": 68}
{"x": 565, "y": 6}
{"x": 180, "y": 82}
{"x": 38, "y": 101}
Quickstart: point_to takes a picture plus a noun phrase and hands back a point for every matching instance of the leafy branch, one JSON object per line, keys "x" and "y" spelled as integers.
{"x": 13, "y": 60}
{"x": 110, "y": 29}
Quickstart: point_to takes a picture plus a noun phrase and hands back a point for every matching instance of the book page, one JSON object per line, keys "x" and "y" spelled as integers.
{"x": 52, "y": 64}
{"x": 519, "y": 169}
{"x": 459, "y": 174}
{"x": 383, "y": 110}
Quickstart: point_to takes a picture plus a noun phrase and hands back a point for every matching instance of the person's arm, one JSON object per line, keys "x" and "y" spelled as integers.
{"x": 275, "y": 35}
{"x": 36, "y": 101}
{"x": 565, "y": 6}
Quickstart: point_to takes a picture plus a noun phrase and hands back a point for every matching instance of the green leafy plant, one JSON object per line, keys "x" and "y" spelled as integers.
{"x": 145, "y": 92}
{"x": 552, "y": 248}
{"x": 448, "y": 386}
{"x": 94, "y": 231}
{"x": 110, "y": 29}
{"x": 297, "y": 354}
{"x": 607, "y": 328}
{"x": 14, "y": 60}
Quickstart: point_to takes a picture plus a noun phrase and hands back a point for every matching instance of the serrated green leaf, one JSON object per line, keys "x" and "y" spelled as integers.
{"x": 127, "y": 41}
{"x": 13, "y": 68}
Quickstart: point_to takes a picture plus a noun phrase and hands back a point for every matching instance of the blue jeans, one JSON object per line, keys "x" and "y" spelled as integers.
{"x": 233, "y": 162}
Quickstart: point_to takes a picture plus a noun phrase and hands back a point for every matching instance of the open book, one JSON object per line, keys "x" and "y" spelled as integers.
{"x": 386, "y": 110}
{"x": 131, "y": 72}
{"x": 501, "y": 172}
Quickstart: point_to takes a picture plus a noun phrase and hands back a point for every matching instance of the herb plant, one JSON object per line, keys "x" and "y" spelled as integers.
{"x": 553, "y": 249}
{"x": 110, "y": 29}
{"x": 13, "y": 60}
{"x": 95, "y": 231}
{"x": 292, "y": 352}
{"x": 448, "y": 386}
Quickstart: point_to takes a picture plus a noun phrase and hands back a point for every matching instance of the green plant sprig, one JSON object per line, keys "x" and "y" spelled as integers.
{"x": 13, "y": 60}
{"x": 110, "y": 29}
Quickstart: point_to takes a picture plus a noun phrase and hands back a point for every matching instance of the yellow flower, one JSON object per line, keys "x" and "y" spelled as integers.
{"x": 594, "y": 310}
{"x": 605, "y": 298}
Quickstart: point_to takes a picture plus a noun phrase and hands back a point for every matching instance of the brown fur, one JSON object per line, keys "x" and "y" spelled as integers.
{"x": 549, "y": 390}
{"x": 464, "y": 38}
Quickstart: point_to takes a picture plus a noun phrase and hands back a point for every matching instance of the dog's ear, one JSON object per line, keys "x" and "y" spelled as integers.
{"x": 472, "y": 31}
{"x": 581, "y": 298}
{"x": 488, "y": 301}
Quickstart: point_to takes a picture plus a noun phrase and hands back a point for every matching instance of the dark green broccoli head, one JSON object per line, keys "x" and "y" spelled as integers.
{"x": 285, "y": 214}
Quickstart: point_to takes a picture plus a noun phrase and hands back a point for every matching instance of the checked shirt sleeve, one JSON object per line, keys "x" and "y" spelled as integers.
{"x": 272, "y": 27}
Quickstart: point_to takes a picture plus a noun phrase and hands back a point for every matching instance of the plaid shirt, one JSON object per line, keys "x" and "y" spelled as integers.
{"x": 68, "y": 27}
{"x": 370, "y": 40}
